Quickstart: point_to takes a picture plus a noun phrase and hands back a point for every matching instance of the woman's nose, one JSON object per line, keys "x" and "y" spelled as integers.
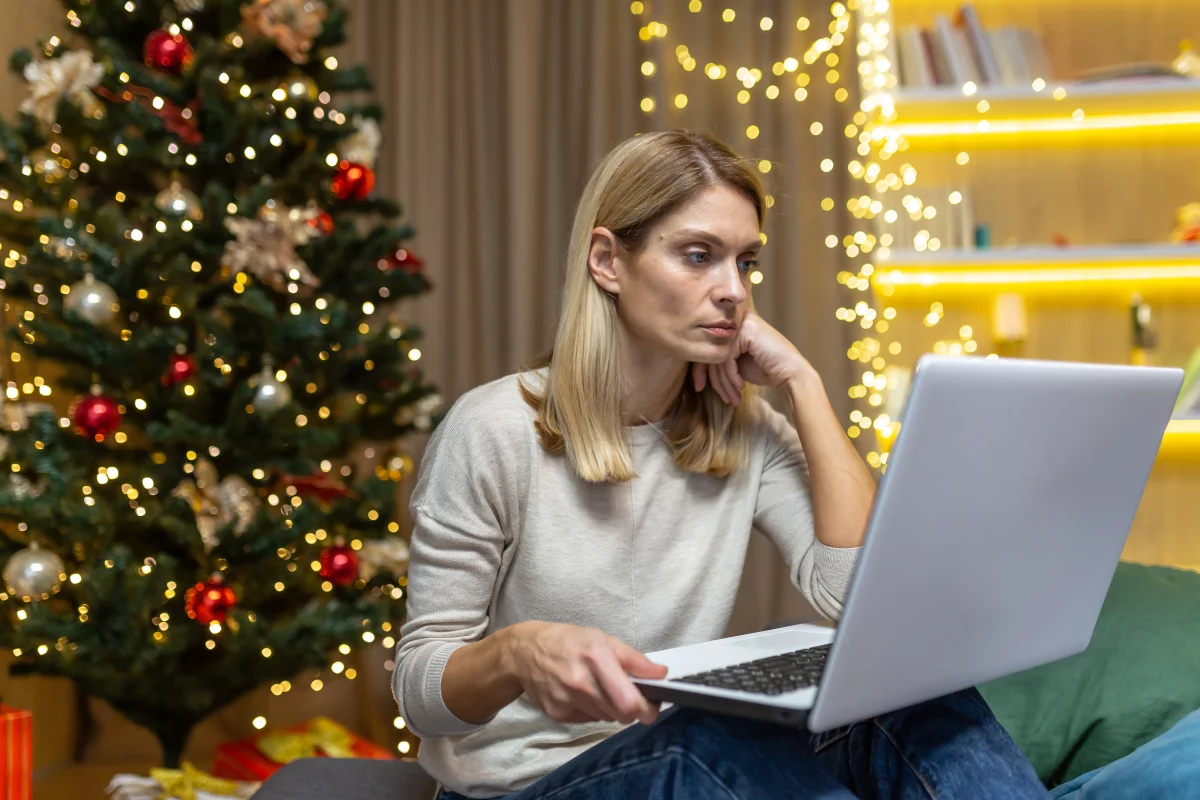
{"x": 731, "y": 289}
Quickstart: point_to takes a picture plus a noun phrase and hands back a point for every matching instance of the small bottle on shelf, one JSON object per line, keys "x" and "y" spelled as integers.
{"x": 1144, "y": 335}
{"x": 1010, "y": 325}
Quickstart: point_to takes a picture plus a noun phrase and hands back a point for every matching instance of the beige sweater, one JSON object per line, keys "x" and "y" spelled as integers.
{"x": 505, "y": 532}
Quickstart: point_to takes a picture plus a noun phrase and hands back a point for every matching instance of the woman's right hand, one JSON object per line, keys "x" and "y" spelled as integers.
{"x": 578, "y": 674}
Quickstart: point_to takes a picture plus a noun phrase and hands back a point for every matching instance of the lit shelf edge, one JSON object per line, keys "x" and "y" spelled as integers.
{"x": 1181, "y": 442}
{"x": 1015, "y": 110}
{"x": 1170, "y": 270}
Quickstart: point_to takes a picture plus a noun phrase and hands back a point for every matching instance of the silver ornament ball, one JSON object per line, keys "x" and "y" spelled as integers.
{"x": 270, "y": 395}
{"x": 93, "y": 300}
{"x": 179, "y": 202}
{"x": 190, "y": 6}
{"x": 33, "y": 573}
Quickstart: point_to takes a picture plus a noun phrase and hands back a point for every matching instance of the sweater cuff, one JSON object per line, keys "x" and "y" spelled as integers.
{"x": 433, "y": 716}
{"x": 833, "y": 567}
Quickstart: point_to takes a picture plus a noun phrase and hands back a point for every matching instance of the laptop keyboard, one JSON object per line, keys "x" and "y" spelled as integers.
{"x": 776, "y": 674}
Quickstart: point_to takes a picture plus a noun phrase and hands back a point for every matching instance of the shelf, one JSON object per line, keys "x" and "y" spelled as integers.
{"x": 1016, "y": 113}
{"x": 1181, "y": 442}
{"x": 1160, "y": 272}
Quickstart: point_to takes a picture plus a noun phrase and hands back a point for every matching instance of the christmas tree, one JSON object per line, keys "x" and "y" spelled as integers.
{"x": 207, "y": 382}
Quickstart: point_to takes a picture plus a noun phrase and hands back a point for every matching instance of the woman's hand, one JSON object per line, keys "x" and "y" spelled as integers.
{"x": 760, "y": 354}
{"x": 577, "y": 674}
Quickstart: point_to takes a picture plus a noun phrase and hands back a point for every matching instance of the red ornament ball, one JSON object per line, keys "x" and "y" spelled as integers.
{"x": 339, "y": 565}
{"x": 179, "y": 369}
{"x": 209, "y": 601}
{"x": 96, "y": 416}
{"x": 352, "y": 181}
{"x": 322, "y": 223}
{"x": 403, "y": 259}
{"x": 167, "y": 51}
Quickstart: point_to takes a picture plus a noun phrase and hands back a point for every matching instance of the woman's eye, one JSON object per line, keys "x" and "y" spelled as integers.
{"x": 701, "y": 257}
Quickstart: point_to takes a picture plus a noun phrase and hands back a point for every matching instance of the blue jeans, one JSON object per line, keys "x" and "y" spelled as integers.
{"x": 1165, "y": 767}
{"x": 951, "y": 747}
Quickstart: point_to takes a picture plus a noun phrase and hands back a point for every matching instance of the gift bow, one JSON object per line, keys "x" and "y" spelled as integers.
{"x": 184, "y": 783}
{"x": 321, "y": 734}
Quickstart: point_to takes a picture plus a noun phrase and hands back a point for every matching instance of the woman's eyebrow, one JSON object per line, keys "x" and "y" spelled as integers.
{"x": 696, "y": 233}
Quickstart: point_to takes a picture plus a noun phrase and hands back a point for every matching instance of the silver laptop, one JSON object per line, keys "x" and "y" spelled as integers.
{"x": 996, "y": 530}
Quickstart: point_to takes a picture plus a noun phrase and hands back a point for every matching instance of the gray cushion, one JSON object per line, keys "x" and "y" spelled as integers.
{"x": 348, "y": 779}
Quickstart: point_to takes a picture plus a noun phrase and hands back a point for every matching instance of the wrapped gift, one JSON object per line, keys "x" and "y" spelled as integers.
{"x": 16, "y": 750}
{"x": 188, "y": 783}
{"x": 256, "y": 758}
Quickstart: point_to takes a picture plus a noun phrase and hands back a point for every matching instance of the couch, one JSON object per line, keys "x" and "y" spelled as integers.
{"x": 1137, "y": 678}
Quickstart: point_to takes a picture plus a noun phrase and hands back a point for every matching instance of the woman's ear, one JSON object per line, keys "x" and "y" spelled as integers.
{"x": 604, "y": 260}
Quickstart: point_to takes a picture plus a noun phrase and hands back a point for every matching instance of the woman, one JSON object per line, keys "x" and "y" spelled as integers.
{"x": 599, "y": 505}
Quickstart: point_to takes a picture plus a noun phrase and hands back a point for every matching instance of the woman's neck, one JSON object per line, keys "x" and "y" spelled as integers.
{"x": 651, "y": 390}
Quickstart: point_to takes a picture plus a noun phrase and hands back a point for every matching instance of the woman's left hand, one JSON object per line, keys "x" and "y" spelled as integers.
{"x": 760, "y": 354}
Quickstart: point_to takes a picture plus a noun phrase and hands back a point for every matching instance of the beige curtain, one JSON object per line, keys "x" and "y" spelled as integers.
{"x": 497, "y": 111}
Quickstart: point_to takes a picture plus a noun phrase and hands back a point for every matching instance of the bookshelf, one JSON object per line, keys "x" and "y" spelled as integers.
{"x": 1078, "y": 183}
{"x": 1064, "y": 114}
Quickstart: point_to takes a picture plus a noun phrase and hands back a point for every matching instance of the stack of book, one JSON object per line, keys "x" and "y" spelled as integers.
{"x": 955, "y": 53}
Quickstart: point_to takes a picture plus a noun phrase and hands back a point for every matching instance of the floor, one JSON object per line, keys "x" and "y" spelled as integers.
{"x": 81, "y": 781}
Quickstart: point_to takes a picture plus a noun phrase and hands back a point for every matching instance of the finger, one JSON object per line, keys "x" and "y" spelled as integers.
{"x": 587, "y": 696}
{"x": 735, "y": 380}
{"x": 622, "y": 695}
{"x": 719, "y": 378}
{"x": 698, "y": 377}
{"x": 635, "y": 662}
{"x": 711, "y": 372}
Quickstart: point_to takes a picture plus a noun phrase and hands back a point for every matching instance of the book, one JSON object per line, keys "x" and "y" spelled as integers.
{"x": 946, "y": 56}
{"x": 931, "y": 58}
{"x": 1012, "y": 56}
{"x": 1038, "y": 63}
{"x": 981, "y": 45}
{"x": 962, "y": 221}
{"x": 915, "y": 69}
{"x": 966, "y": 56}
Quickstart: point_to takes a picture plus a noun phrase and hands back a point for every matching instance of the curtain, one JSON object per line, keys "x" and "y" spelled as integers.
{"x": 497, "y": 112}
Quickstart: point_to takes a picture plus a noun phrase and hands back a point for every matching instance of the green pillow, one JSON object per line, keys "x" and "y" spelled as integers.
{"x": 1138, "y": 677}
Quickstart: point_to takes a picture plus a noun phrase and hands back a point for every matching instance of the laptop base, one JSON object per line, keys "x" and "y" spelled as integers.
{"x": 791, "y": 717}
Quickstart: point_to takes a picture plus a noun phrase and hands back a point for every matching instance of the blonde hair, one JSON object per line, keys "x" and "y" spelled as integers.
{"x": 578, "y": 406}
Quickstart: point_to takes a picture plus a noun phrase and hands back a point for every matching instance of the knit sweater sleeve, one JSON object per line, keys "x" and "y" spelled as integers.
{"x": 783, "y": 511}
{"x": 465, "y": 508}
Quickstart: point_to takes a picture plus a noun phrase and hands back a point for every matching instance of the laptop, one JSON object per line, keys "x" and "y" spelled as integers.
{"x": 996, "y": 530}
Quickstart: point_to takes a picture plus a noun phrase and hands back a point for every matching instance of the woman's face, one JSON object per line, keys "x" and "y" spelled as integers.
{"x": 693, "y": 272}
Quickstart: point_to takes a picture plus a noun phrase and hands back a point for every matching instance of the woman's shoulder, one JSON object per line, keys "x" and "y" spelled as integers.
{"x": 494, "y": 412}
